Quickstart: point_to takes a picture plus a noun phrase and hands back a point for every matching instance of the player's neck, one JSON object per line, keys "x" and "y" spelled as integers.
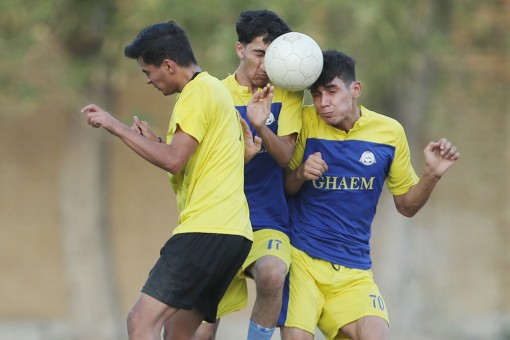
{"x": 242, "y": 80}
{"x": 192, "y": 71}
{"x": 188, "y": 74}
{"x": 348, "y": 123}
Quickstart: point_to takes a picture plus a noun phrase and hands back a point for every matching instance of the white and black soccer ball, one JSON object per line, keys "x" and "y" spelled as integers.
{"x": 293, "y": 61}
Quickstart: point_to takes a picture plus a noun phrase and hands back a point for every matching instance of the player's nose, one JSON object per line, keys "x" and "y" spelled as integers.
{"x": 324, "y": 101}
{"x": 262, "y": 66}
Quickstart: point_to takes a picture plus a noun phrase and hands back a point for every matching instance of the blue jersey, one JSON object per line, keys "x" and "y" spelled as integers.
{"x": 331, "y": 217}
{"x": 263, "y": 176}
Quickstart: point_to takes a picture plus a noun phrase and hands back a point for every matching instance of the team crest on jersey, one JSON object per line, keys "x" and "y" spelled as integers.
{"x": 367, "y": 158}
{"x": 270, "y": 119}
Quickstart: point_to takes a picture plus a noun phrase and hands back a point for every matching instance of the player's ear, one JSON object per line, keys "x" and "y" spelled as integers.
{"x": 240, "y": 50}
{"x": 169, "y": 65}
{"x": 356, "y": 89}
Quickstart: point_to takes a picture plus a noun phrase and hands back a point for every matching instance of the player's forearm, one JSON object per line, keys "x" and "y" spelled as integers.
{"x": 154, "y": 152}
{"x": 411, "y": 202}
{"x": 292, "y": 181}
{"x": 279, "y": 148}
{"x": 249, "y": 153}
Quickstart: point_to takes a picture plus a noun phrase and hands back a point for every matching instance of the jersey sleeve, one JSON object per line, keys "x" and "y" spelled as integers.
{"x": 290, "y": 115}
{"x": 299, "y": 150}
{"x": 402, "y": 175}
{"x": 189, "y": 113}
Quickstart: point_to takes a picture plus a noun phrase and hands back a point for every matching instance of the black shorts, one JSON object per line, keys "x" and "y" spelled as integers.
{"x": 195, "y": 269}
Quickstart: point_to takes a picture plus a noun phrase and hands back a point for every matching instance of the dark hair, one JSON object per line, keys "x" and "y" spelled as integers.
{"x": 164, "y": 40}
{"x": 336, "y": 64}
{"x": 255, "y": 23}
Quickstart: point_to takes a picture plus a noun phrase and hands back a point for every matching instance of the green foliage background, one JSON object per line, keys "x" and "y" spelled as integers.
{"x": 441, "y": 67}
{"x": 72, "y": 44}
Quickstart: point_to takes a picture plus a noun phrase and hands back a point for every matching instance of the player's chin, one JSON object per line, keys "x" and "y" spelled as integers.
{"x": 260, "y": 81}
{"x": 329, "y": 119}
{"x": 166, "y": 92}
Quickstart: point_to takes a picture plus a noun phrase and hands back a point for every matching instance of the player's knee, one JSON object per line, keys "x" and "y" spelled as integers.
{"x": 206, "y": 331}
{"x": 205, "y": 336}
{"x": 292, "y": 333}
{"x": 133, "y": 321}
{"x": 270, "y": 276}
{"x": 367, "y": 328}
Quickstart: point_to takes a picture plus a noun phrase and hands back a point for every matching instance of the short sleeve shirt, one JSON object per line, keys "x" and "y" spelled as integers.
{"x": 331, "y": 217}
{"x": 209, "y": 190}
{"x": 263, "y": 180}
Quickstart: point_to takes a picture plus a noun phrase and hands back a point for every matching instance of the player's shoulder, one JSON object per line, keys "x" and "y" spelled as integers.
{"x": 281, "y": 94}
{"x": 310, "y": 118}
{"x": 204, "y": 79}
{"x": 380, "y": 119}
{"x": 230, "y": 79}
{"x": 234, "y": 87}
{"x": 310, "y": 113}
{"x": 213, "y": 92}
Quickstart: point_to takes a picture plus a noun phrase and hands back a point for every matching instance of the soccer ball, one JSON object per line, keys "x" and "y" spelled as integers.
{"x": 293, "y": 61}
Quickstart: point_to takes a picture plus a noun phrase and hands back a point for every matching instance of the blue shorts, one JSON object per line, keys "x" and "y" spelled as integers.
{"x": 195, "y": 269}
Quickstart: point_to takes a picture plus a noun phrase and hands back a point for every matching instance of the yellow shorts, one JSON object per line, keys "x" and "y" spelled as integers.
{"x": 329, "y": 297}
{"x": 265, "y": 242}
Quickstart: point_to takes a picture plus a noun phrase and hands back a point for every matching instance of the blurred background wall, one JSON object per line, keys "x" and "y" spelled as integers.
{"x": 82, "y": 218}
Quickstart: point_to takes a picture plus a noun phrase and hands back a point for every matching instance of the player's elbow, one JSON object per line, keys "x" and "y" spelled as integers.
{"x": 407, "y": 212}
{"x": 287, "y": 152}
{"x": 404, "y": 207}
{"x": 284, "y": 162}
{"x": 290, "y": 191}
{"x": 174, "y": 166}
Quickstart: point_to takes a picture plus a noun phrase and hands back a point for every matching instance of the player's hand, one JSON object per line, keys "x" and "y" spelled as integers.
{"x": 259, "y": 106}
{"x": 143, "y": 128}
{"x": 97, "y": 117}
{"x": 252, "y": 145}
{"x": 440, "y": 155}
{"x": 313, "y": 167}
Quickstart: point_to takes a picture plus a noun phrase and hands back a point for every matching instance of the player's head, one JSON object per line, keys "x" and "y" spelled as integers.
{"x": 335, "y": 65}
{"x": 336, "y": 91}
{"x": 162, "y": 51}
{"x": 164, "y": 40}
{"x": 260, "y": 23}
{"x": 256, "y": 29}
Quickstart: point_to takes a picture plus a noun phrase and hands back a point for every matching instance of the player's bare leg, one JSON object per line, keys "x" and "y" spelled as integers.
{"x": 146, "y": 318}
{"x": 207, "y": 331}
{"x": 197, "y": 330}
{"x": 368, "y": 328}
{"x": 291, "y": 333}
{"x": 182, "y": 325}
{"x": 269, "y": 274}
